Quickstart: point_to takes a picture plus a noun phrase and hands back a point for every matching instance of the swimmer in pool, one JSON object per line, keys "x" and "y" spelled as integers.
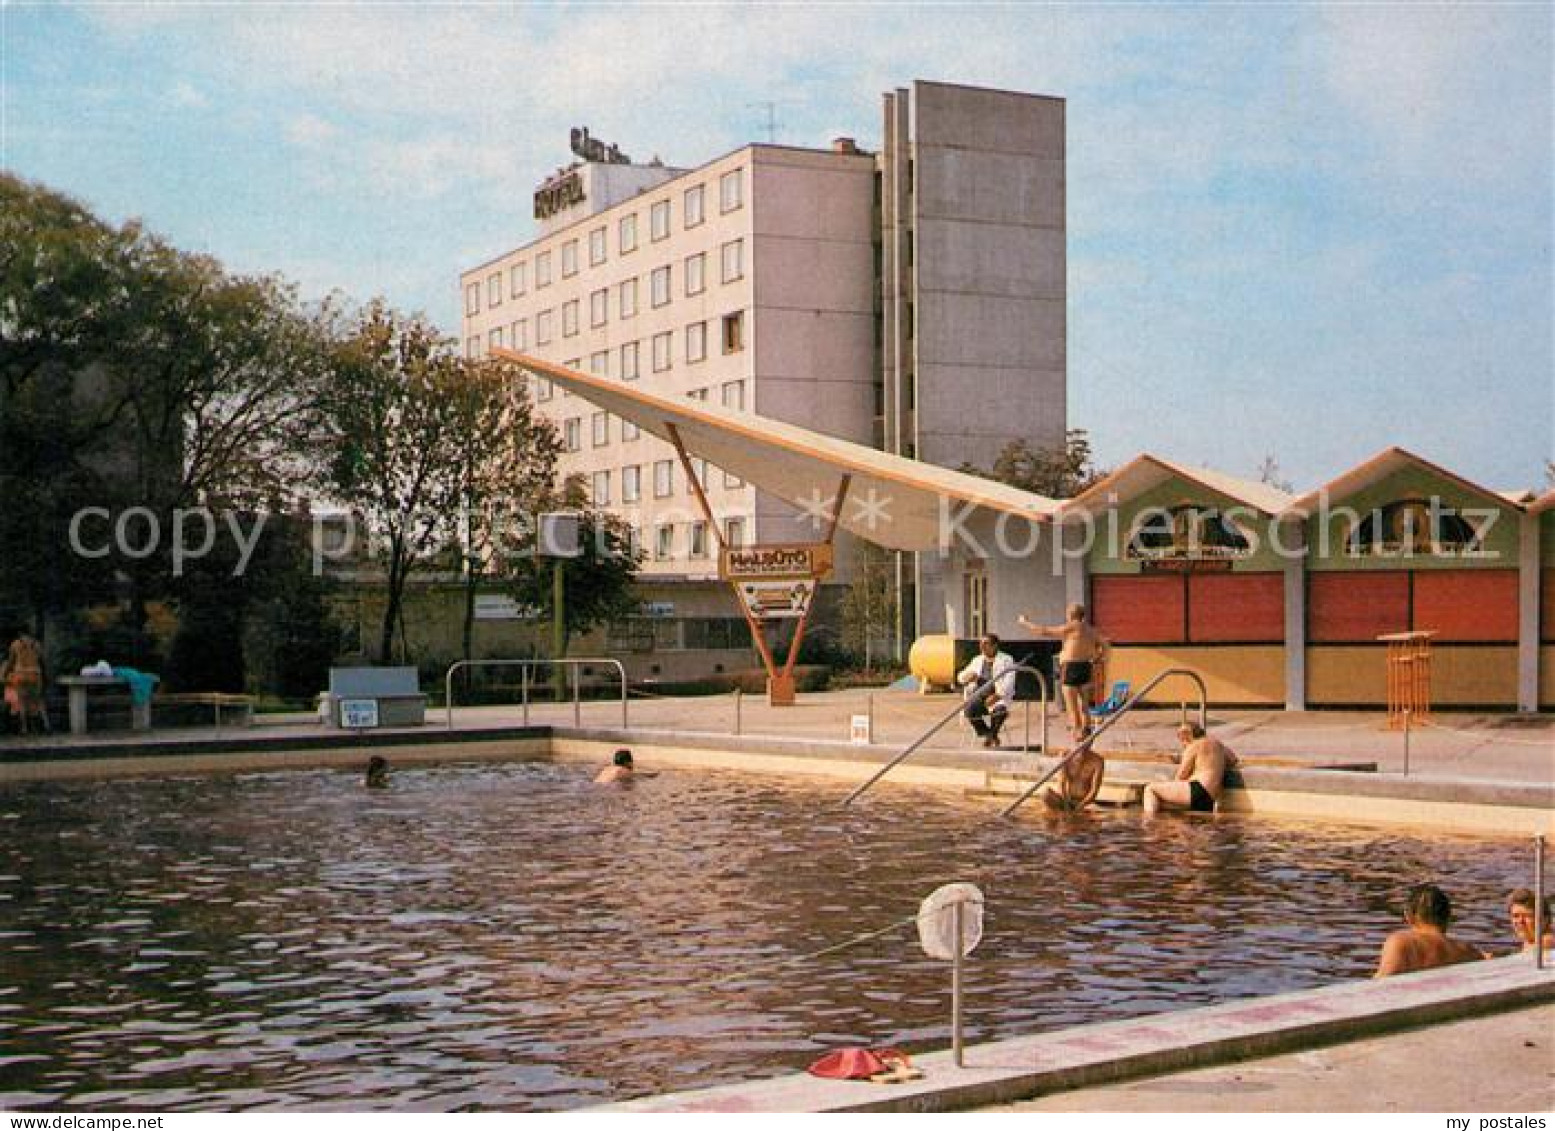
{"x": 377, "y": 772}
{"x": 1423, "y": 944}
{"x": 1078, "y": 783}
{"x": 1081, "y": 651}
{"x": 1520, "y": 908}
{"x": 619, "y": 770}
{"x": 1201, "y": 775}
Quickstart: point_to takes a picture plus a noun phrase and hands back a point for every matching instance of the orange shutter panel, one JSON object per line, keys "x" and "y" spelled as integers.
{"x": 1356, "y": 606}
{"x": 1242, "y": 608}
{"x": 1138, "y": 610}
{"x": 1468, "y": 605}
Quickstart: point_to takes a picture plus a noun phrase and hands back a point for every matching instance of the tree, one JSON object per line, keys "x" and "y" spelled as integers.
{"x": 1269, "y": 473}
{"x": 391, "y": 443}
{"x": 133, "y": 374}
{"x": 598, "y": 581}
{"x": 869, "y": 606}
{"x": 1058, "y": 473}
{"x": 506, "y": 455}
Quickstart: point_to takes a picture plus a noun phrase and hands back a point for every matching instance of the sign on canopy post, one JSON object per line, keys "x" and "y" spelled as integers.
{"x": 776, "y": 583}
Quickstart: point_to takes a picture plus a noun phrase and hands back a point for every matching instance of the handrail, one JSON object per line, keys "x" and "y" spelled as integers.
{"x": 565, "y": 662}
{"x": 1128, "y": 705}
{"x": 981, "y": 691}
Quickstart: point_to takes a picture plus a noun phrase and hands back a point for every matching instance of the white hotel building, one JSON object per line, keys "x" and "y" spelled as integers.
{"x": 911, "y": 300}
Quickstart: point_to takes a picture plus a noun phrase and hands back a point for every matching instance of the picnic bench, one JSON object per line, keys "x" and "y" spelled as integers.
{"x": 102, "y": 696}
{"x": 393, "y": 693}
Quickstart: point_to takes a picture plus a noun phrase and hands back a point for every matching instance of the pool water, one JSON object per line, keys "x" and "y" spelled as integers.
{"x": 511, "y": 936}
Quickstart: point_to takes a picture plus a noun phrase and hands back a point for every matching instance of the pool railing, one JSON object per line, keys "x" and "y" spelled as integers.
{"x": 571, "y": 664}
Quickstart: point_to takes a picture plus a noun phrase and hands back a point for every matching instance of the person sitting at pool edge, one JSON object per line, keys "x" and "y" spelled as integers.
{"x": 377, "y": 772}
{"x": 1201, "y": 774}
{"x": 1520, "y": 906}
{"x": 988, "y": 713}
{"x": 1424, "y": 945}
{"x": 620, "y": 769}
{"x": 1081, "y": 650}
{"x": 1078, "y": 783}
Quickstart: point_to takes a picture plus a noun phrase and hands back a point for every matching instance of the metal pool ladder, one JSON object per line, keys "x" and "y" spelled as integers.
{"x": 1128, "y": 705}
{"x": 981, "y": 692}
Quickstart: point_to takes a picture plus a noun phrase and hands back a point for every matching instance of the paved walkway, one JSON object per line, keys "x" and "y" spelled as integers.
{"x": 1479, "y": 747}
{"x": 1511, "y": 1069}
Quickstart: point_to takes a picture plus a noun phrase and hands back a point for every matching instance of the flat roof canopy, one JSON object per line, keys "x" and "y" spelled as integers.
{"x": 892, "y": 501}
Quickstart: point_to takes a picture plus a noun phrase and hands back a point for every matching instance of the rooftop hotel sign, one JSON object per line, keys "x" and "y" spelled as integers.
{"x": 560, "y": 192}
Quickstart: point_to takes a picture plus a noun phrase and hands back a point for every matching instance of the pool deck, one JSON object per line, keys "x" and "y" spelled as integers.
{"x": 1105, "y": 1055}
{"x": 1460, "y": 747}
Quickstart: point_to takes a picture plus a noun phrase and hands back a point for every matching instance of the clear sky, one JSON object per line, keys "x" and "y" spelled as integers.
{"x": 1306, "y": 231}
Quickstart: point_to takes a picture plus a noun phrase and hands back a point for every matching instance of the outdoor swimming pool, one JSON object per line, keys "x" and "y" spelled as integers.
{"x": 508, "y": 936}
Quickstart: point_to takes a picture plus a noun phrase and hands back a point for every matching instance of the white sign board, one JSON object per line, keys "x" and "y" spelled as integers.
{"x": 496, "y": 606}
{"x": 359, "y": 714}
{"x": 860, "y": 733}
{"x": 937, "y": 920}
{"x": 777, "y": 600}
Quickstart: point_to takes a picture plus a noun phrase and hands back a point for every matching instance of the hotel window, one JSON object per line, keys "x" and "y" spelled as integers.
{"x": 472, "y": 346}
{"x": 629, "y": 371}
{"x": 569, "y": 258}
{"x": 696, "y": 341}
{"x": 600, "y": 494}
{"x": 659, "y": 220}
{"x": 596, "y": 247}
{"x": 543, "y": 328}
{"x": 696, "y": 272}
{"x": 734, "y": 332}
{"x": 626, "y": 299}
{"x": 699, "y": 469}
{"x": 733, "y": 394}
{"x": 730, "y": 191}
{"x": 661, "y": 352}
{"x": 521, "y": 334}
{"x": 734, "y": 532}
{"x": 544, "y": 389}
{"x": 569, "y": 318}
{"x": 629, "y": 431}
{"x": 664, "y": 540}
{"x": 599, "y": 428}
{"x": 692, "y": 207}
{"x": 494, "y": 289}
{"x": 494, "y": 339}
{"x": 574, "y": 363}
{"x": 599, "y": 363}
{"x": 699, "y": 539}
{"x": 472, "y": 299}
{"x": 663, "y": 478}
{"x": 733, "y": 260}
{"x": 517, "y": 282}
{"x": 697, "y": 394}
{"x": 626, "y": 233}
{"x": 599, "y": 303}
{"x": 631, "y": 484}
{"x": 572, "y": 434}
{"x": 732, "y": 481}
{"x": 543, "y": 269}
{"x": 659, "y": 286}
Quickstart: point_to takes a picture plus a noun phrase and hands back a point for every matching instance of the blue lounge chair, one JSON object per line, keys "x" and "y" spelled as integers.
{"x": 1113, "y": 703}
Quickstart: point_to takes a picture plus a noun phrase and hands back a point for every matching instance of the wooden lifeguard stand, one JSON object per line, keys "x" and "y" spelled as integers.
{"x": 1409, "y": 677}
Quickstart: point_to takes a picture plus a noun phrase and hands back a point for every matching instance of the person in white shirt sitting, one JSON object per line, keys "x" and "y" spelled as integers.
{"x": 988, "y": 712}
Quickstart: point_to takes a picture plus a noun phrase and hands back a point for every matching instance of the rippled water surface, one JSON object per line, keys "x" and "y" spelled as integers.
{"x": 513, "y": 937}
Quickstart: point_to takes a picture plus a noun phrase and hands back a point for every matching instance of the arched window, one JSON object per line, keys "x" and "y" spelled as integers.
{"x": 1186, "y": 531}
{"x": 1413, "y": 526}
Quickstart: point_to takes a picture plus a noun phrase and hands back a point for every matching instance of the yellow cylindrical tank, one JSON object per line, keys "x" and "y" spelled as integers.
{"x": 932, "y": 660}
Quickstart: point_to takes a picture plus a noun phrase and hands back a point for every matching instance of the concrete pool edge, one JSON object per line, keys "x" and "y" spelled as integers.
{"x": 1448, "y": 805}
{"x": 1109, "y": 1052}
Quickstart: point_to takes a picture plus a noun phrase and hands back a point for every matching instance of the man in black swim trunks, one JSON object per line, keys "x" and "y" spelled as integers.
{"x": 1201, "y": 775}
{"x": 1077, "y": 657}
